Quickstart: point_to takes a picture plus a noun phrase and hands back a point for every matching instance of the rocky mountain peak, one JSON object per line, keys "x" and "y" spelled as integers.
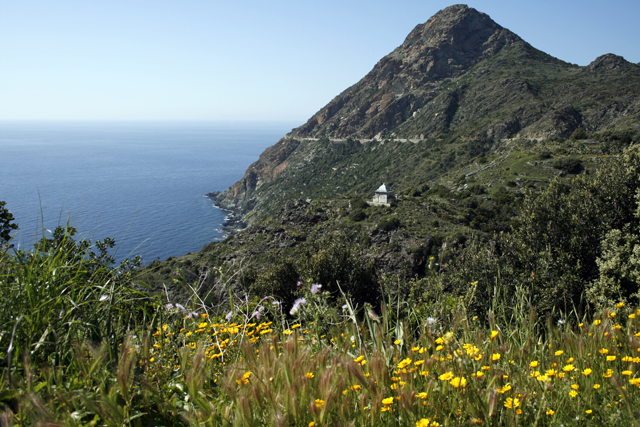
{"x": 608, "y": 61}
{"x": 446, "y": 46}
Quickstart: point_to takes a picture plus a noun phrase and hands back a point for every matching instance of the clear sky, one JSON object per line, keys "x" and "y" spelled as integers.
{"x": 246, "y": 59}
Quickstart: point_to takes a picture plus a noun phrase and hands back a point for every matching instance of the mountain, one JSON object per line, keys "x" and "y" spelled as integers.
{"x": 459, "y": 88}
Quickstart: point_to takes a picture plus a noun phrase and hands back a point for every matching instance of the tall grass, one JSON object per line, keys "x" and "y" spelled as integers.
{"x": 82, "y": 346}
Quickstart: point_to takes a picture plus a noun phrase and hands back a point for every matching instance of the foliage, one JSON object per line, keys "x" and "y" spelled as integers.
{"x": 63, "y": 292}
{"x": 6, "y": 226}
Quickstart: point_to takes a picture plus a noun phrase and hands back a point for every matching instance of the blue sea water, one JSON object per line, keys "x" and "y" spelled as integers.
{"x": 141, "y": 183}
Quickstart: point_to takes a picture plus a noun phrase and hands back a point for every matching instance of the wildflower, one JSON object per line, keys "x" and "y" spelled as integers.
{"x": 596, "y": 386}
{"x": 597, "y": 322}
{"x": 559, "y": 353}
{"x": 404, "y": 363}
{"x": 627, "y": 373}
{"x": 448, "y": 337}
{"x": 575, "y": 386}
{"x": 312, "y": 424}
{"x": 561, "y": 321}
{"x": 635, "y": 381}
{"x": 550, "y": 372}
{"x": 397, "y": 342}
{"x": 423, "y": 422}
{"x": 495, "y": 357}
{"x": 459, "y": 382}
{"x": 550, "y": 412}
{"x": 612, "y": 314}
{"x": 388, "y": 400}
{"x": 494, "y": 334}
{"x": 568, "y": 368}
{"x": 511, "y": 403}
{"x": 315, "y": 288}
{"x": 504, "y": 389}
{"x": 245, "y": 378}
{"x": 447, "y": 376}
{"x": 319, "y": 403}
{"x": 359, "y": 359}
{"x": 309, "y": 375}
{"x": 299, "y": 283}
{"x": 611, "y": 358}
{"x": 534, "y": 364}
{"x": 440, "y": 340}
{"x": 168, "y": 306}
{"x": 432, "y": 321}
{"x": 229, "y": 316}
{"x": 421, "y": 395}
{"x": 573, "y": 393}
{"x": 587, "y": 372}
{"x": 603, "y": 351}
{"x": 479, "y": 374}
{"x": 356, "y": 387}
{"x": 608, "y": 374}
{"x": 296, "y": 305}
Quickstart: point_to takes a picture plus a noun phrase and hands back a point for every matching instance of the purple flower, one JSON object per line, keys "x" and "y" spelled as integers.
{"x": 168, "y": 306}
{"x": 298, "y": 283}
{"x": 258, "y": 312}
{"x": 296, "y": 305}
{"x": 315, "y": 288}
{"x": 181, "y": 307}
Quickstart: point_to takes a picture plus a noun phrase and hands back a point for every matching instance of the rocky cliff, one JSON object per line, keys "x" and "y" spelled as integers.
{"x": 458, "y": 84}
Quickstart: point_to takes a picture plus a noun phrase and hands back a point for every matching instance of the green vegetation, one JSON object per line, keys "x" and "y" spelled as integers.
{"x": 463, "y": 306}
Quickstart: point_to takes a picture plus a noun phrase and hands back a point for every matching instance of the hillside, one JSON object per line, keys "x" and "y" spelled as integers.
{"x": 459, "y": 88}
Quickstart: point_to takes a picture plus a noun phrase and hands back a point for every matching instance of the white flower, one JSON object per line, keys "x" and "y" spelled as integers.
{"x": 181, "y": 307}
{"x": 296, "y": 305}
{"x": 315, "y": 288}
{"x": 432, "y": 321}
{"x": 229, "y": 316}
{"x": 104, "y": 297}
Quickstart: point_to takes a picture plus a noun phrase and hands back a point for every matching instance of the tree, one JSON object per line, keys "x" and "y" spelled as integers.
{"x": 6, "y": 227}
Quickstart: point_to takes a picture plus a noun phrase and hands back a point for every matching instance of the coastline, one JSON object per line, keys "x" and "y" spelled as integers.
{"x": 233, "y": 222}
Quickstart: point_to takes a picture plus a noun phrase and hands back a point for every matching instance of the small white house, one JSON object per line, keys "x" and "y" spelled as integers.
{"x": 384, "y": 195}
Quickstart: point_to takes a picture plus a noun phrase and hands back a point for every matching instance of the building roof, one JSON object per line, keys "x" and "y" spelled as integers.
{"x": 384, "y": 189}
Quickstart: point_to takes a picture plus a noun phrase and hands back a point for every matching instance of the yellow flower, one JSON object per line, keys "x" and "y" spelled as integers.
{"x": 597, "y": 322}
{"x": 479, "y": 374}
{"x": 404, "y": 363}
{"x": 358, "y": 359}
{"x": 459, "y": 382}
{"x": 418, "y": 362}
{"x": 495, "y": 357}
{"x": 559, "y": 353}
{"x": 568, "y": 368}
{"x": 534, "y": 364}
{"x": 550, "y": 412}
{"x": 319, "y": 403}
{"x": 511, "y": 403}
{"x": 608, "y": 374}
{"x": 440, "y": 347}
{"x": 543, "y": 378}
{"x": 550, "y": 372}
{"x": 494, "y": 334}
{"x": 603, "y": 351}
{"x": 575, "y": 386}
{"x": 421, "y": 395}
{"x": 423, "y": 422}
{"x": 440, "y": 340}
{"x": 611, "y": 358}
{"x": 587, "y": 372}
{"x": 612, "y": 314}
{"x": 356, "y": 387}
{"x": 477, "y": 357}
{"x": 447, "y": 376}
{"x": 388, "y": 400}
{"x": 588, "y": 411}
{"x": 573, "y": 393}
{"x": 245, "y": 378}
{"x": 397, "y": 342}
{"x": 627, "y": 373}
{"x": 504, "y": 389}
{"x": 620, "y": 304}
{"x": 596, "y": 386}
{"x": 309, "y": 375}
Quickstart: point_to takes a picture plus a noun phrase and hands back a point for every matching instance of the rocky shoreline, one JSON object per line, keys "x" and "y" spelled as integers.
{"x": 234, "y": 222}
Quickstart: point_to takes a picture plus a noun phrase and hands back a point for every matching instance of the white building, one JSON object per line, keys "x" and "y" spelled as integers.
{"x": 384, "y": 195}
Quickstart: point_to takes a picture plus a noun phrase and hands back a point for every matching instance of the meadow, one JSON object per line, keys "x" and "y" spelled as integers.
{"x": 84, "y": 344}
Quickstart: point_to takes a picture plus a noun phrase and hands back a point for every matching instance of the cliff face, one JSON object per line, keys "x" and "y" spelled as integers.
{"x": 459, "y": 84}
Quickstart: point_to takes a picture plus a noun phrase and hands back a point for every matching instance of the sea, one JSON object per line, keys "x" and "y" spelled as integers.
{"x": 141, "y": 183}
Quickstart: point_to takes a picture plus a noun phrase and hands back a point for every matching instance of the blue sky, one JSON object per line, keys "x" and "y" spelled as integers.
{"x": 246, "y": 60}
